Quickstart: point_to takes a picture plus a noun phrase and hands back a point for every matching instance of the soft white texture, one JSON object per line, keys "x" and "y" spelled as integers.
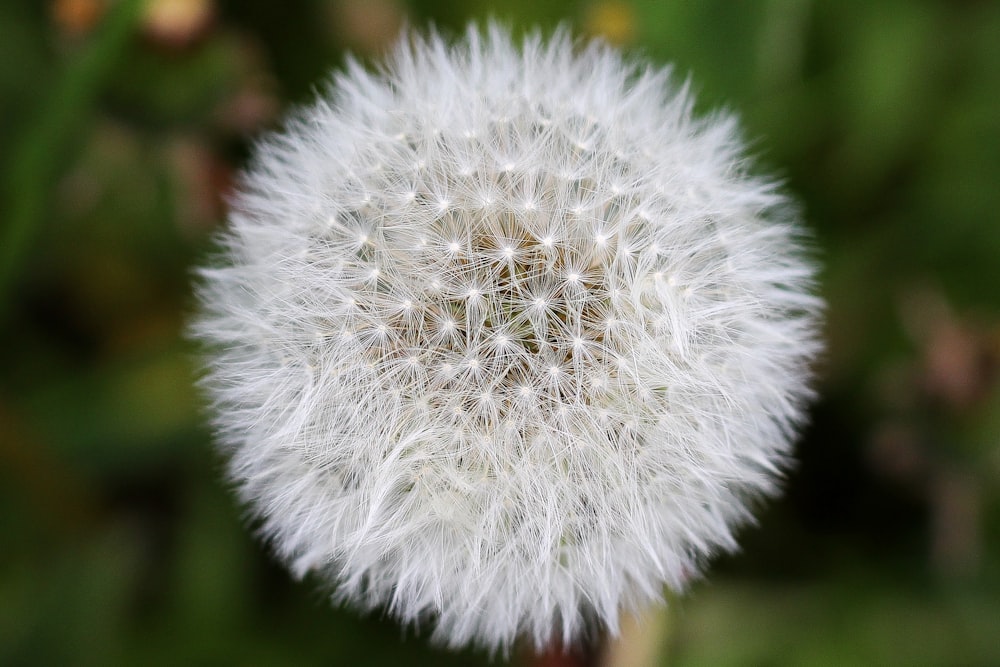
{"x": 503, "y": 338}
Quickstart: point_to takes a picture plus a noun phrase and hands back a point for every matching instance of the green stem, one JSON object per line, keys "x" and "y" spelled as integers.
{"x": 35, "y": 158}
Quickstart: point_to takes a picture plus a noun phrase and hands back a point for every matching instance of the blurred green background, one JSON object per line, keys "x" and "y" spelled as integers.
{"x": 122, "y": 125}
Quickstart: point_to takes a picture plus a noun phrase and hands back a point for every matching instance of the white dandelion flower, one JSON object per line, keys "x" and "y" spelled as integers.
{"x": 502, "y": 336}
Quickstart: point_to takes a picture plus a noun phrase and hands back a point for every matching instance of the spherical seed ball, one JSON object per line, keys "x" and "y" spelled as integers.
{"x": 504, "y": 338}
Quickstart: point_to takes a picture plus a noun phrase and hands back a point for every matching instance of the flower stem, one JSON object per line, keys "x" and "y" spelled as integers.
{"x": 36, "y": 158}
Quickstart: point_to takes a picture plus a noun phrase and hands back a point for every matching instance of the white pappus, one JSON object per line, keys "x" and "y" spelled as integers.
{"x": 502, "y": 337}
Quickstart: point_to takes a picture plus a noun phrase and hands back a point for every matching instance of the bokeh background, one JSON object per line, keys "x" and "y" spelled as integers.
{"x": 123, "y": 124}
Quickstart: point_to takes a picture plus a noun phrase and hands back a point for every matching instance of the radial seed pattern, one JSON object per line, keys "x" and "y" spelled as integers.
{"x": 503, "y": 336}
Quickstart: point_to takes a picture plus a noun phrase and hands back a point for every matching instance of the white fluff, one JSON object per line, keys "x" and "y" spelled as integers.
{"x": 502, "y": 338}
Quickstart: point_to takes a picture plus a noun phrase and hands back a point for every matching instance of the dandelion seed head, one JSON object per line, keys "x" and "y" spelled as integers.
{"x": 504, "y": 338}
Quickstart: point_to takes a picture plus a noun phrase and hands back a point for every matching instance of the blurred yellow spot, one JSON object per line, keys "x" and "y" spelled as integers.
{"x": 614, "y": 20}
{"x": 178, "y": 22}
{"x": 642, "y": 642}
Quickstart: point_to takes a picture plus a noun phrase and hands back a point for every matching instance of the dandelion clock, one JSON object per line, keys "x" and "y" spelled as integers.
{"x": 501, "y": 338}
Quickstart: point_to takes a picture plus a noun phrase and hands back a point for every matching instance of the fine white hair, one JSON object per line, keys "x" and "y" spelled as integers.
{"x": 503, "y": 338}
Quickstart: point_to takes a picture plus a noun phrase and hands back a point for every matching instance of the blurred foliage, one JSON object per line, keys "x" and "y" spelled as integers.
{"x": 122, "y": 125}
